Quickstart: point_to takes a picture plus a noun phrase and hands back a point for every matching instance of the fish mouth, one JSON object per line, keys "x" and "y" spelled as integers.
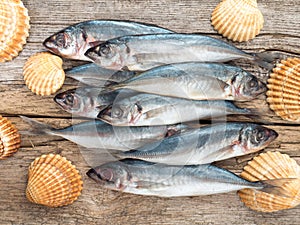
{"x": 90, "y": 54}
{"x": 273, "y": 134}
{"x": 105, "y": 114}
{"x": 49, "y": 43}
{"x": 94, "y": 176}
{"x": 59, "y": 99}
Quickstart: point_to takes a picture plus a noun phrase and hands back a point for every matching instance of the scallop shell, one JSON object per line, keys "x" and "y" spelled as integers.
{"x": 283, "y": 93}
{"x": 266, "y": 166}
{"x": 43, "y": 73}
{"x": 9, "y": 138}
{"x": 238, "y": 20}
{"x": 53, "y": 181}
{"x": 14, "y": 28}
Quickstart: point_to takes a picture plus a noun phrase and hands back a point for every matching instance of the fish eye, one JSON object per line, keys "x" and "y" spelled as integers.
{"x": 117, "y": 112}
{"x": 60, "y": 40}
{"x": 69, "y": 99}
{"x": 252, "y": 84}
{"x": 106, "y": 174}
{"x": 260, "y": 135}
{"x": 104, "y": 50}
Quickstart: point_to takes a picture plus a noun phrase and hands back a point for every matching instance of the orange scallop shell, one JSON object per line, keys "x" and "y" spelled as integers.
{"x": 266, "y": 166}
{"x": 10, "y": 138}
{"x": 237, "y": 20}
{"x": 283, "y": 93}
{"x": 43, "y": 73}
{"x": 14, "y": 28}
{"x": 53, "y": 181}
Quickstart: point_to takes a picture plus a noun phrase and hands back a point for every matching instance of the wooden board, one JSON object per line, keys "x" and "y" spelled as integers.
{"x": 281, "y": 33}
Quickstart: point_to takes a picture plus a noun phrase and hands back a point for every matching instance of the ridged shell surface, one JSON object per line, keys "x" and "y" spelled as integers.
{"x": 10, "y": 138}
{"x": 43, "y": 73}
{"x": 283, "y": 93}
{"x": 14, "y": 28}
{"x": 53, "y": 181}
{"x": 237, "y": 20}
{"x": 266, "y": 166}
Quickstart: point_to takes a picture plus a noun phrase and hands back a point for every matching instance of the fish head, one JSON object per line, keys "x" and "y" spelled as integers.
{"x": 71, "y": 43}
{"x": 107, "y": 55}
{"x": 246, "y": 86}
{"x": 255, "y": 137}
{"x": 70, "y": 101}
{"x": 111, "y": 175}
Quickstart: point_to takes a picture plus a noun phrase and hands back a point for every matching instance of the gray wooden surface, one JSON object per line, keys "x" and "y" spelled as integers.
{"x": 281, "y": 33}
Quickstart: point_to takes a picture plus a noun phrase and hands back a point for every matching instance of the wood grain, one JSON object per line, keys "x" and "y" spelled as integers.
{"x": 281, "y": 33}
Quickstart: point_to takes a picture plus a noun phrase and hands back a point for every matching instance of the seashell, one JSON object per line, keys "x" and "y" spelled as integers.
{"x": 283, "y": 93}
{"x": 266, "y": 166}
{"x": 10, "y": 138}
{"x": 43, "y": 73}
{"x": 14, "y": 28}
{"x": 237, "y": 20}
{"x": 53, "y": 181}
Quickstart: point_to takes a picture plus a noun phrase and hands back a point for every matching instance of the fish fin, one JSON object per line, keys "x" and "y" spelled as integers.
{"x": 37, "y": 128}
{"x": 267, "y": 59}
{"x": 224, "y": 153}
{"x": 176, "y": 129}
{"x": 275, "y": 186}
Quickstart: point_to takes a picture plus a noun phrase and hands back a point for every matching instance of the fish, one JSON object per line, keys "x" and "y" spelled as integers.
{"x": 144, "y": 109}
{"x": 92, "y": 75}
{"x": 143, "y": 52}
{"x": 73, "y": 41}
{"x": 197, "y": 81}
{"x": 88, "y": 101}
{"x": 206, "y": 144}
{"x": 100, "y": 135}
{"x": 145, "y": 178}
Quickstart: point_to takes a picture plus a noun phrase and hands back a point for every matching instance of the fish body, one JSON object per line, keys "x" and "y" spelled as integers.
{"x": 198, "y": 81}
{"x": 93, "y": 75}
{"x": 100, "y": 135}
{"x": 144, "y": 178}
{"x": 206, "y": 144}
{"x": 147, "y": 109}
{"x": 73, "y": 41}
{"x": 88, "y": 101}
{"x": 143, "y": 52}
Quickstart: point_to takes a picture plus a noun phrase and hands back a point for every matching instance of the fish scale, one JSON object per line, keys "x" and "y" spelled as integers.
{"x": 198, "y": 81}
{"x": 205, "y": 145}
{"x": 144, "y": 109}
{"x": 144, "y": 178}
{"x": 73, "y": 41}
{"x": 143, "y": 52}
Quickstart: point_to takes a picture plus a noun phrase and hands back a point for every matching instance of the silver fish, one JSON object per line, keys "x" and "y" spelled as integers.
{"x": 93, "y": 75}
{"x": 73, "y": 41}
{"x": 100, "y": 135}
{"x": 148, "y": 109}
{"x": 143, "y": 52}
{"x": 87, "y": 101}
{"x": 206, "y": 144}
{"x": 144, "y": 178}
{"x": 198, "y": 81}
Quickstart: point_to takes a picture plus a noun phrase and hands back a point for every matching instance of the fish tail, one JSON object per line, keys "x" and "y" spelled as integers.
{"x": 114, "y": 86}
{"x": 119, "y": 155}
{"x": 259, "y": 116}
{"x": 275, "y": 186}
{"x": 267, "y": 59}
{"x": 37, "y": 128}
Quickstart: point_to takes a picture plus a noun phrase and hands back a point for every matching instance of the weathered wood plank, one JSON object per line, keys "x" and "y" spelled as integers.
{"x": 281, "y": 33}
